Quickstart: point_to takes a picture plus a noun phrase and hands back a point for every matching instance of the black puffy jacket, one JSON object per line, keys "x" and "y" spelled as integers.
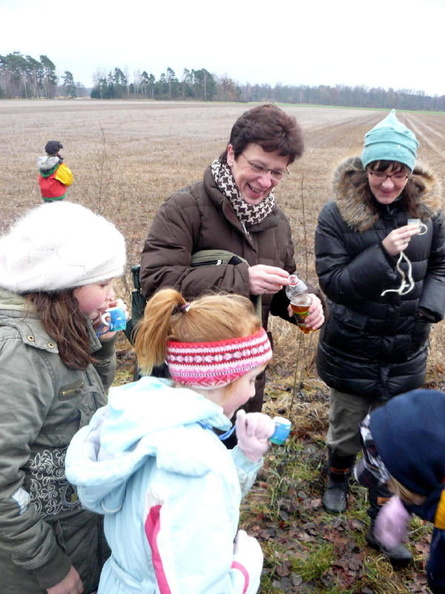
{"x": 376, "y": 345}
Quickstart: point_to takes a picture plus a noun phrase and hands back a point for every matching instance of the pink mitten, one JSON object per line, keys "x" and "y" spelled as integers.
{"x": 249, "y": 556}
{"x": 253, "y": 431}
{"x": 391, "y": 523}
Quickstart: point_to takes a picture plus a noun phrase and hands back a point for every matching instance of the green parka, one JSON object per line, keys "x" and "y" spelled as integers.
{"x": 43, "y": 403}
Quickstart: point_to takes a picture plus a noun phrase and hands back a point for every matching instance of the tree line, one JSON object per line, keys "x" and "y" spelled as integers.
{"x": 25, "y": 77}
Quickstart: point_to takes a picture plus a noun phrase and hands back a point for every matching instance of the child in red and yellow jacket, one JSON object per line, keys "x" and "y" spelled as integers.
{"x": 54, "y": 175}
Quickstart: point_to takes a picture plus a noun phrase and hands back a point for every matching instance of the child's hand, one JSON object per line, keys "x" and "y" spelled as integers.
{"x": 119, "y": 303}
{"x": 248, "y": 554}
{"x": 70, "y": 583}
{"x": 253, "y": 431}
{"x": 391, "y": 523}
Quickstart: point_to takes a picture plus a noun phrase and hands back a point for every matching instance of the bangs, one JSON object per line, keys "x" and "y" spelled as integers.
{"x": 392, "y": 166}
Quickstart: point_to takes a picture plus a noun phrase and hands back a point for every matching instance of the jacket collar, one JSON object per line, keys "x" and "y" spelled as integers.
{"x": 14, "y": 307}
{"x": 224, "y": 205}
{"x": 359, "y": 216}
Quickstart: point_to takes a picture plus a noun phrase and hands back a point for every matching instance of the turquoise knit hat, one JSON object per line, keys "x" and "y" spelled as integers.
{"x": 390, "y": 140}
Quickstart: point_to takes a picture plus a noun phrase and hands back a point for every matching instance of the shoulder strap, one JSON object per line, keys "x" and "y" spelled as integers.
{"x": 219, "y": 257}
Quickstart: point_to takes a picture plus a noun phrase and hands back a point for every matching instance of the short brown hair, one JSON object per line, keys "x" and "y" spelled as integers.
{"x": 269, "y": 127}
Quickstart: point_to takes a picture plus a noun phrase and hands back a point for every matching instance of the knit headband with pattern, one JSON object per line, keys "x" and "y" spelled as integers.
{"x": 217, "y": 364}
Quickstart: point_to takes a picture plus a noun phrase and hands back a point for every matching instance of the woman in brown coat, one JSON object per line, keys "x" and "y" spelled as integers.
{"x": 233, "y": 208}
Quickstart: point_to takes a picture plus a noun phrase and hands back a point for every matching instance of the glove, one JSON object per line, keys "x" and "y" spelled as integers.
{"x": 391, "y": 523}
{"x": 248, "y": 553}
{"x": 253, "y": 431}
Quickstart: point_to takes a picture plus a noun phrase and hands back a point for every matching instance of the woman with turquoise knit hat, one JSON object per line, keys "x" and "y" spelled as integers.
{"x": 380, "y": 260}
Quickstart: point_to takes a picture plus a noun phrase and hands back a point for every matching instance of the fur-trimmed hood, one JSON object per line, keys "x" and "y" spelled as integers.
{"x": 357, "y": 214}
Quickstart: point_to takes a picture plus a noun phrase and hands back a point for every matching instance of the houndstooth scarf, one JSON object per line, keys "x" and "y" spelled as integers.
{"x": 248, "y": 214}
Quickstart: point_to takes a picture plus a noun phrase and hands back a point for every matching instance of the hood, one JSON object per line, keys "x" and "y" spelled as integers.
{"x": 12, "y": 301}
{"x": 46, "y": 164}
{"x": 351, "y": 201}
{"x": 410, "y": 438}
{"x": 142, "y": 419}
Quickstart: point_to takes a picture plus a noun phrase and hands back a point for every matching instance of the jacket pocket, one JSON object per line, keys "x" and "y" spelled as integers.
{"x": 420, "y": 333}
{"x": 348, "y": 317}
{"x": 73, "y": 390}
{"x": 80, "y": 536}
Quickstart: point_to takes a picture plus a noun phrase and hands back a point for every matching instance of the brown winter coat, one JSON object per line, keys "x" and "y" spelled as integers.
{"x": 199, "y": 217}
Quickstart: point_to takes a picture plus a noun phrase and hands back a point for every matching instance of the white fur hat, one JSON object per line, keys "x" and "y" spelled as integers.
{"x": 58, "y": 246}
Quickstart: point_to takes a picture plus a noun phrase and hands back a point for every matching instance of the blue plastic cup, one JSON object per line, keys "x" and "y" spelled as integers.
{"x": 282, "y": 430}
{"x": 114, "y": 319}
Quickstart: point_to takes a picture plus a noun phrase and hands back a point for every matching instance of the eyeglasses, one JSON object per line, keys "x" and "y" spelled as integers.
{"x": 381, "y": 176}
{"x": 275, "y": 174}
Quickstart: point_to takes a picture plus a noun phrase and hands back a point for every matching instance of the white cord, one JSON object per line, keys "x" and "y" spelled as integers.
{"x": 405, "y": 286}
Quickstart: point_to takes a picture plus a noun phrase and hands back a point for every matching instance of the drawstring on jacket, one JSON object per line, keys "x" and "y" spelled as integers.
{"x": 406, "y": 285}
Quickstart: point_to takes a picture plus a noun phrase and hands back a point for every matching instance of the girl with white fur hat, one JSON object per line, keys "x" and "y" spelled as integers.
{"x": 57, "y": 266}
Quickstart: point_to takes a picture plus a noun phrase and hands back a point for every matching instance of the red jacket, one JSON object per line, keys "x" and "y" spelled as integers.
{"x": 53, "y": 183}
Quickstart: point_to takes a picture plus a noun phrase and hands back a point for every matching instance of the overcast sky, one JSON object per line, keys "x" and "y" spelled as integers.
{"x": 381, "y": 43}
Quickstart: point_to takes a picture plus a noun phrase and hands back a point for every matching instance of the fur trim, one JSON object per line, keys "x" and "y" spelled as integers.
{"x": 359, "y": 216}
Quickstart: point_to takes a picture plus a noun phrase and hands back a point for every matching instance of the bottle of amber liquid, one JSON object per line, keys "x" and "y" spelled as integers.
{"x": 300, "y": 301}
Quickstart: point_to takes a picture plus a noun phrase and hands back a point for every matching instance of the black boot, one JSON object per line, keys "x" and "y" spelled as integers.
{"x": 399, "y": 555}
{"x": 335, "y": 497}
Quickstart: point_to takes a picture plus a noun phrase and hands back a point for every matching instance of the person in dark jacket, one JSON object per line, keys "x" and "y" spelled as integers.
{"x": 380, "y": 260}
{"x": 234, "y": 209}
{"x": 404, "y": 442}
{"x": 57, "y": 265}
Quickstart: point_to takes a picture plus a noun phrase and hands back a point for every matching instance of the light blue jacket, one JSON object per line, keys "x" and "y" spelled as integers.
{"x": 169, "y": 489}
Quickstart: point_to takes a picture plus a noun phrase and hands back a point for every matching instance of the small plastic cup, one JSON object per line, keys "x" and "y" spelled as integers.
{"x": 282, "y": 430}
{"x": 423, "y": 228}
{"x": 114, "y": 319}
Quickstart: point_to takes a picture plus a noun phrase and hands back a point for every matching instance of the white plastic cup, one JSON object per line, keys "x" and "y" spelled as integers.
{"x": 423, "y": 228}
{"x": 282, "y": 430}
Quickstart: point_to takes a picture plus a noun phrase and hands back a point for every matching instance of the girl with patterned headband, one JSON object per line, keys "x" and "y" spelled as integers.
{"x": 153, "y": 460}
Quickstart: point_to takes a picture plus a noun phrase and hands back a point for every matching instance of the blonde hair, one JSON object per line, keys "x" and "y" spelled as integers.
{"x": 209, "y": 318}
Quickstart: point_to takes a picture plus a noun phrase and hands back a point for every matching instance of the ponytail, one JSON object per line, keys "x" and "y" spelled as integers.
{"x": 210, "y": 318}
